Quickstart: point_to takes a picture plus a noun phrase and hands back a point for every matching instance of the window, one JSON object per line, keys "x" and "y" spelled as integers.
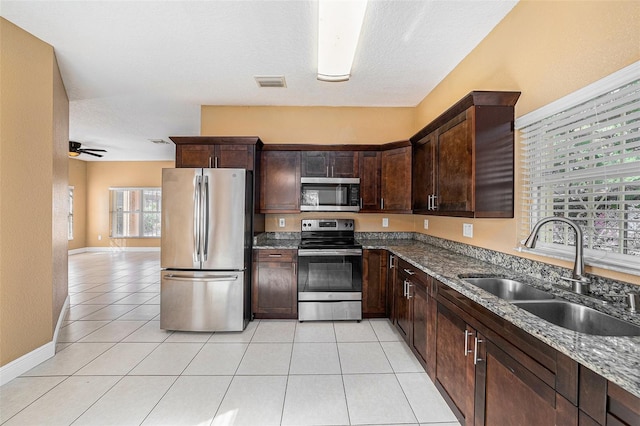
{"x": 70, "y": 217}
{"x": 581, "y": 160}
{"x": 135, "y": 212}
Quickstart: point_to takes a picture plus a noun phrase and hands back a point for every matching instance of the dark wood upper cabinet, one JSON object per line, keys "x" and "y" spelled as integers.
{"x": 395, "y": 191}
{"x": 464, "y": 160}
{"x": 336, "y": 164}
{"x": 370, "y": 180}
{"x": 423, "y": 172}
{"x": 217, "y": 151}
{"x": 280, "y": 182}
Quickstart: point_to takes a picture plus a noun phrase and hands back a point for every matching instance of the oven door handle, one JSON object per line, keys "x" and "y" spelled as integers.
{"x": 330, "y": 252}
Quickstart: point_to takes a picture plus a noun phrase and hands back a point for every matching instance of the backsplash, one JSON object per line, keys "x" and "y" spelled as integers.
{"x": 600, "y": 286}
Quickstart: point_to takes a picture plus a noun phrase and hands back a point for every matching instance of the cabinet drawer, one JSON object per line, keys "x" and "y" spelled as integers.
{"x": 406, "y": 270}
{"x": 276, "y": 255}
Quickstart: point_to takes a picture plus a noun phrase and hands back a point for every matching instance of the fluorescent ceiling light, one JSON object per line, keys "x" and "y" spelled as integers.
{"x": 339, "y": 24}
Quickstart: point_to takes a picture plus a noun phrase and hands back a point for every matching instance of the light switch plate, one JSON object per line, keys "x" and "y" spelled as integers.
{"x": 281, "y": 222}
{"x": 385, "y": 222}
{"x": 426, "y": 224}
{"x": 467, "y": 230}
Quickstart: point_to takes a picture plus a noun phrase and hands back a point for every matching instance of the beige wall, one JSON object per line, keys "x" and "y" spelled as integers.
{"x": 103, "y": 175}
{"x": 60, "y": 177}
{"x": 363, "y": 222}
{"x": 33, "y": 142}
{"x": 546, "y": 50}
{"x": 78, "y": 179}
{"x": 319, "y": 125}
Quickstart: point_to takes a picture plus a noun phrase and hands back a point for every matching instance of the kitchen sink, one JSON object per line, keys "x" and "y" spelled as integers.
{"x": 509, "y": 289}
{"x": 579, "y": 318}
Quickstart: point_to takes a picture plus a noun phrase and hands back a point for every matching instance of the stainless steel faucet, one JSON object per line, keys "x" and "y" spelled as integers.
{"x": 579, "y": 283}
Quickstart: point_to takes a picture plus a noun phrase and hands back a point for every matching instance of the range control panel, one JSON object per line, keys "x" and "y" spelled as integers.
{"x": 328, "y": 224}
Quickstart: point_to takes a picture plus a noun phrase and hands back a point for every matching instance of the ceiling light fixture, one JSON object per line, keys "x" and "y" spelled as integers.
{"x": 339, "y": 25}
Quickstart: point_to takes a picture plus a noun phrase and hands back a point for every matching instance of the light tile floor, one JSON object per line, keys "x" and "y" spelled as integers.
{"x": 115, "y": 366}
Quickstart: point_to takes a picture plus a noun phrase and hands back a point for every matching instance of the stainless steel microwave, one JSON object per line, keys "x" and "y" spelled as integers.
{"x": 330, "y": 194}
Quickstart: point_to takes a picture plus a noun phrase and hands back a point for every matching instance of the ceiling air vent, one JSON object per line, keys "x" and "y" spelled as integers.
{"x": 271, "y": 81}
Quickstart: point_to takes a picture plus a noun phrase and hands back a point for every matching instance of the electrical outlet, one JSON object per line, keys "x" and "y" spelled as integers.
{"x": 385, "y": 222}
{"x": 281, "y": 222}
{"x": 467, "y": 230}
{"x": 426, "y": 224}
{"x": 99, "y": 237}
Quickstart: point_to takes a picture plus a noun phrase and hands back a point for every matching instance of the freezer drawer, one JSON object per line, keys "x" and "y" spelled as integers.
{"x": 202, "y": 301}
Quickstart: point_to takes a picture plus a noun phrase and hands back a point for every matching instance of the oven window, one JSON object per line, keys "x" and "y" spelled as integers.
{"x": 329, "y": 273}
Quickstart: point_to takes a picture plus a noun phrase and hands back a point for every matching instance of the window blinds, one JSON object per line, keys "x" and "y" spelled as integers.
{"x": 583, "y": 162}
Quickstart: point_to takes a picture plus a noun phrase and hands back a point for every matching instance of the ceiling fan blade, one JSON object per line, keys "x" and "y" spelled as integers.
{"x": 84, "y": 151}
{"x": 93, "y": 149}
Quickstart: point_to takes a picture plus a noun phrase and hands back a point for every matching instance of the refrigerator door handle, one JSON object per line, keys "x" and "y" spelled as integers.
{"x": 205, "y": 278}
{"x": 196, "y": 219}
{"x": 205, "y": 215}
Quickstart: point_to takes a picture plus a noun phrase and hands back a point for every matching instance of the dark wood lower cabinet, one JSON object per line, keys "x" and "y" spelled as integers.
{"x": 412, "y": 312}
{"x": 420, "y": 320}
{"x": 374, "y": 284}
{"x": 275, "y": 284}
{"x": 455, "y": 372}
{"x": 509, "y": 394}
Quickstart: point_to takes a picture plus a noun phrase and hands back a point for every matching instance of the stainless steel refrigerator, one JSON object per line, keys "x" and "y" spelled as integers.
{"x": 206, "y": 249}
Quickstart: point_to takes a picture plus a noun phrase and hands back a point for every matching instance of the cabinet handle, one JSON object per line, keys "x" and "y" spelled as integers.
{"x": 275, "y": 255}
{"x": 392, "y": 259}
{"x": 331, "y": 171}
{"x": 467, "y": 351}
{"x": 360, "y": 202}
{"x": 209, "y": 161}
{"x": 409, "y": 285}
{"x": 327, "y": 174}
{"x": 294, "y": 269}
{"x": 404, "y": 288}
{"x": 435, "y": 204}
{"x": 381, "y": 203}
{"x": 409, "y": 271}
{"x": 476, "y": 360}
{"x": 429, "y": 202}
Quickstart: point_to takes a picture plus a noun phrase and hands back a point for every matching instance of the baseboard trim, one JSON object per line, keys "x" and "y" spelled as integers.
{"x": 112, "y": 249}
{"x": 26, "y": 362}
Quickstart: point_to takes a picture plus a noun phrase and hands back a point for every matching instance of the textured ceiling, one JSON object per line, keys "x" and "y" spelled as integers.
{"x": 139, "y": 70}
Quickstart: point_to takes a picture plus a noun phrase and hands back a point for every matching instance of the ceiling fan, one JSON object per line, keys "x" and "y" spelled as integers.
{"x": 75, "y": 150}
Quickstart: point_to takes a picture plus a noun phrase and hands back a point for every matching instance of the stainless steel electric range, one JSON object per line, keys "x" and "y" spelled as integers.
{"x": 329, "y": 271}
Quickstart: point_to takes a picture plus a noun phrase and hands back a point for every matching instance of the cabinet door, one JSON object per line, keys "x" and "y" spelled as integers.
{"x": 402, "y": 308}
{"x": 424, "y": 172}
{"x": 315, "y": 164}
{"x": 395, "y": 191}
{"x": 455, "y": 166}
{"x": 194, "y": 155}
{"x": 344, "y": 164}
{"x": 622, "y": 407}
{"x": 454, "y": 361}
{"x": 507, "y": 393}
{"x": 370, "y": 180}
{"x": 420, "y": 335}
{"x": 374, "y": 284}
{"x": 234, "y": 156}
{"x": 275, "y": 290}
{"x": 280, "y": 182}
